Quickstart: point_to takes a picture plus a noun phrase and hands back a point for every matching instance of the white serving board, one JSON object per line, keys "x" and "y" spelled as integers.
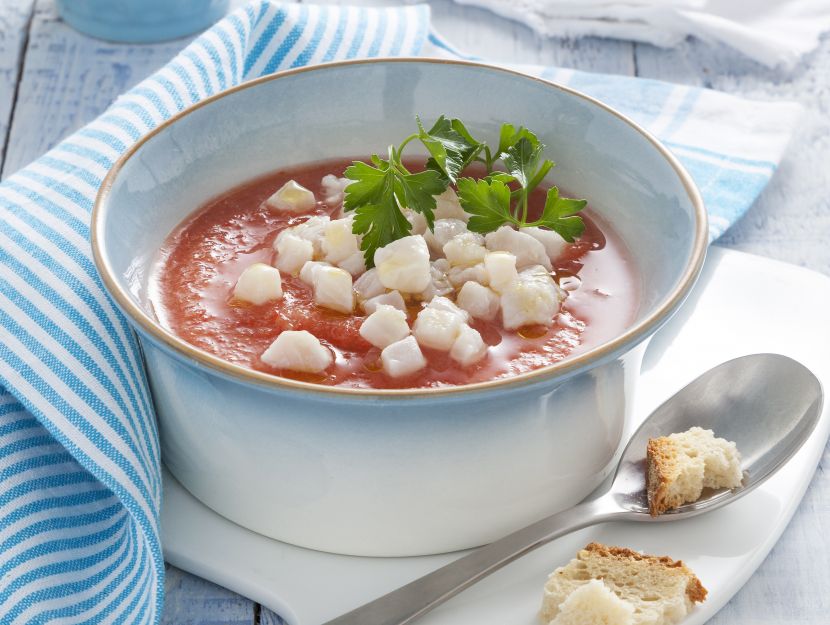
{"x": 740, "y": 306}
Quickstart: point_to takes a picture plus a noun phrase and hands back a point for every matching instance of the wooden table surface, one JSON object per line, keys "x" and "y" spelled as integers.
{"x": 53, "y": 80}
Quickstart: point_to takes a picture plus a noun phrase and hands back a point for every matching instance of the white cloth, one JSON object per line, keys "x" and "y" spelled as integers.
{"x": 776, "y": 33}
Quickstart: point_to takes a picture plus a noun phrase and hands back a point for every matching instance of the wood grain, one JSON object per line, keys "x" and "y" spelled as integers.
{"x": 68, "y": 80}
{"x": 193, "y": 601}
{"x": 14, "y": 32}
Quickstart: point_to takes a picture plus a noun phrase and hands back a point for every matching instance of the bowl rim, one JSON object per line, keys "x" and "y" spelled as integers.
{"x": 630, "y": 337}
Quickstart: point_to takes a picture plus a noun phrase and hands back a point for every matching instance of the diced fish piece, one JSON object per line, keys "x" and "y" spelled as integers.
{"x": 446, "y": 304}
{"x": 339, "y": 242}
{"x": 465, "y": 249}
{"x": 309, "y": 269}
{"x": 403, "y": 265}
{"x": 292, "y": 253}
{"x": 402, "y": 358}
{"x": 468, "y": 347}
{"x": 334, "y": 189}
{"x": 442, "y": 231}
{"x": 437, "y": 328}
{"x": 298, "y": 351}
{"x": 417, "y": 220}
{"x": 479, "y": 301}
{"x": 385, "y": 326}
{"x": 392, "y": 298}
{"x": 292, "y": 197}
{"x": 531, "y": 299}
{"x": 369, "y": 285}
{"x": 526, "y": 249}
{"x": 553, "y": 243}
{"x": 333, "y": 289}
{"x": 354, "y": 264}
{"x": 447, "y": 206}
{"x": 258, "y": 284}
{"x": 458, "y": 276}
{"x": 501, "y": 270}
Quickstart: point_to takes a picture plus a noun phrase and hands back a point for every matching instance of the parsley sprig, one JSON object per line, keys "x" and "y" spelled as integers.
{"x": 382, "y": 188}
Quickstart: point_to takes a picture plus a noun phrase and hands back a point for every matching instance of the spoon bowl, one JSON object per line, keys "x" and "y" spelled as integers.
{"x": 766, "y": 403}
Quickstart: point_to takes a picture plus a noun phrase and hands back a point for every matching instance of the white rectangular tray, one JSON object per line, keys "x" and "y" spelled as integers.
{"x": 735, "y": 309}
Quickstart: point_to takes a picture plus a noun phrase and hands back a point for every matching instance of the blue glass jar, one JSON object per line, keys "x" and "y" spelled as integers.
{"x": 141, "y": 21}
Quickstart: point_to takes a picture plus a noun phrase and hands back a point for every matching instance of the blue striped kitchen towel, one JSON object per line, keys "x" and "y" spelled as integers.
{"x": 79, "y": 456}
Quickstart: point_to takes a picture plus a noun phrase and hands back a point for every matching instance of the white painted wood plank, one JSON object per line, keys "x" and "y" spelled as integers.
{"x": 68, "y": 80}
{"x": 190, "y": 600}
{"x": 14, "y": 29}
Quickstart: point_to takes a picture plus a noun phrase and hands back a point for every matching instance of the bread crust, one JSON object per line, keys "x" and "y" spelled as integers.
{"x": 695, "y": 591}
{"x": 661, "y": 458}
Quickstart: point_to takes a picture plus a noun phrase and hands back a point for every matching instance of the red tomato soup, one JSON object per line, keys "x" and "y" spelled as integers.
{"x": 201, "y": 260}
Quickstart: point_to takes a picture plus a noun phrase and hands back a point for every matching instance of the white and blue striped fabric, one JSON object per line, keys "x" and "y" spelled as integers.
{"x": 80, "y": 482}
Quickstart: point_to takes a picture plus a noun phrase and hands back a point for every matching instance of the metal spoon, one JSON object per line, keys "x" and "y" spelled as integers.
{"x": 768, "y": 404}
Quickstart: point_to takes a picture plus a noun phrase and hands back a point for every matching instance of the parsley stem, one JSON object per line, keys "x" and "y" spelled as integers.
{"x": 411, "y": 137}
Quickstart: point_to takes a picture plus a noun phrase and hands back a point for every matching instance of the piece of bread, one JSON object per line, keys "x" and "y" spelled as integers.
{"x": 659, "y": 590}
{"x": 593, "y": 603}
{"x": 681, "y": 465}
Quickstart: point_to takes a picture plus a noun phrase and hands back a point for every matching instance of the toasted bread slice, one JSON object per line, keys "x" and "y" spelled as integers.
{"x": 658, "y": 590}
{"x": 681, "y": 465}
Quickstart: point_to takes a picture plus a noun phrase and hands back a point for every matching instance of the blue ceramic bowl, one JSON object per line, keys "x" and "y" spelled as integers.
{"x": 141, "y": 21}
{"x": 396, "y": 472}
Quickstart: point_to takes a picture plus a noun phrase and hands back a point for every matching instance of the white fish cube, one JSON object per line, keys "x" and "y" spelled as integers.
{"x": 292, "y": 198}
{"x": 312, "y": 229}
{"x": 530, "y": 299}
{"x": 392, "y": 298}
{"x": 439, "y": 282}
{"x": 309, "y": 269}
{"x": 385, "y": 326}
{"x": 298, "y": 351}
{"x": 437, "y": 328}
{"x": 339, "y": 242}
{"x": 334, "y": 189}
{"x": 501, "y": 270}
{"x": 333, "y": 289}
{"x": 369, "y": 285}
{"x": 402, "y": 358}
{"x": 479, "y": 301}
{"x": 403, "y": 265}
{"x": 447, "y": 206}
{"x": 468, "y": 347}
{"x": 553, "y": 243}
{"x": 465, "y": 249}
{"x": 526, "y": 249}
{"x": 292, "y": 253}
{"x": 458, "y": 276}
{"x": 354, "y": 264}
{"x": 258, "y": 284}
{"x": 416, "y": 220}
{"x": 446, "y": 304}
{"x": 442, "y": 231}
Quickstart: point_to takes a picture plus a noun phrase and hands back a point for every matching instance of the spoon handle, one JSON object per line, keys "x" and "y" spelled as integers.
{"x": 409, "y": 602}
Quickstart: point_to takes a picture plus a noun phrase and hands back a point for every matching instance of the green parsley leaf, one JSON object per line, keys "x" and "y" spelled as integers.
{"x": 510, "y": 136}
{"x": 379, "y": 226}
{"x": 451, "y": 146}
{"x": 418, "y": 191}
{"x": 371, "y": 184}
{"x": 522, "y": 160}
{"x": 559, "y": 215}
{"x": 377, "y": 195}
{"x": 487, "y": 201}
